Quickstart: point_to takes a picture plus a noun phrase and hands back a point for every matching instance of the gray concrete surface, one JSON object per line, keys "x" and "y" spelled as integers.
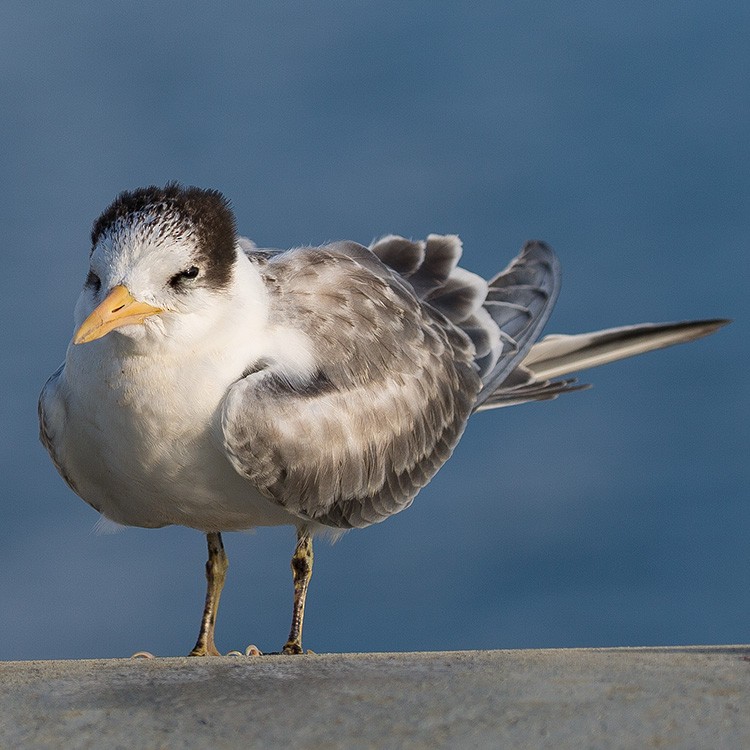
{"x": 608, "y": 698}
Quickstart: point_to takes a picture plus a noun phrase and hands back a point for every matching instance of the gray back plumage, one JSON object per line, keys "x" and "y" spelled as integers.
{"x": 502, "y": 317}
{"x": 394, "y": 385}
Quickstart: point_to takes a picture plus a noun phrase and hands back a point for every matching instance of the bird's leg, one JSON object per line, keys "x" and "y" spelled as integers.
{"x": 302, "y": 562}
{"x": 216, "y": 571}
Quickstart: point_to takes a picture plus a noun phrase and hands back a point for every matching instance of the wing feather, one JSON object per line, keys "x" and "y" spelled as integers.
{"x": 394, "y": 386}
{"x": 406, "y": 346}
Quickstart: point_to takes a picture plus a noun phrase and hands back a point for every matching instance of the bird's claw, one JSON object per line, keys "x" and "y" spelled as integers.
{"x": 294, "y": 649}
{"x": 249, "y": 651}
{"x": 142, "y": 655}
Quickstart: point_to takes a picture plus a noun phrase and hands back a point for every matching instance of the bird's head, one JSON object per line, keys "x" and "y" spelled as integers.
{"x": 160, "y": 258}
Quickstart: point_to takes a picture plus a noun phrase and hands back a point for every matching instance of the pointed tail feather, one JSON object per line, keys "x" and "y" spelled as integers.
{"x": 559, "y": 354}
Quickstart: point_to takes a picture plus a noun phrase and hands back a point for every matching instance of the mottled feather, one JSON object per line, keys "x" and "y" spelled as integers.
{"x": 393, "y": 387}
{"x": 407, "y": 346}
{"x": 502, "y": 317}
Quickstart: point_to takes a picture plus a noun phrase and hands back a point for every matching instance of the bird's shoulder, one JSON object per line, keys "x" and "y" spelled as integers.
{"x": 364, "y": 320}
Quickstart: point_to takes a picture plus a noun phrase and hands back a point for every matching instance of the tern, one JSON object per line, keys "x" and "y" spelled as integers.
{"x": 219, "y": 386}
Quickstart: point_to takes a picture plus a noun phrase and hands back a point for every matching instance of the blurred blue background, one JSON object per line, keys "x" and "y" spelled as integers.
{"x": 616, "y": 132}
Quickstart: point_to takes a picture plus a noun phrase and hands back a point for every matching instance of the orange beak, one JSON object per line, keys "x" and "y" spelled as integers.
{"x": 117, "y": 309}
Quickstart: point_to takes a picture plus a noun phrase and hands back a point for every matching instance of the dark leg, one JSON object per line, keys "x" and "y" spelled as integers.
{"x": 302, "y": 562}
{"x": 216, "y": 571}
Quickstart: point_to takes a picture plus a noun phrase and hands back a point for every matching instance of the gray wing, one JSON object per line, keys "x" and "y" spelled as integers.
{"x": 502, "y": 317}
{"x": 430, "y": 266}
{"x": 520, "y": 301}
{"x": 389, "y": 396}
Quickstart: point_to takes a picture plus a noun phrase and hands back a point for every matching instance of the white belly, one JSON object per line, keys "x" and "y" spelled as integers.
{"x": 142, "y": 444}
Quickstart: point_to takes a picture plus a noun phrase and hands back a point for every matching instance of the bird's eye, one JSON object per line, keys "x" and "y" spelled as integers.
{"x": 92, "y": 280}
{"x": 187, "y": 275}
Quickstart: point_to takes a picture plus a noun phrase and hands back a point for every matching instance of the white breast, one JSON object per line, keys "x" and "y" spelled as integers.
{"x": 139, "y": 441}
{"x": 134, "y": 421}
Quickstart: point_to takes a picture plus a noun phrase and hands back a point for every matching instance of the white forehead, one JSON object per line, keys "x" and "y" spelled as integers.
{"x": 144, "y": 246}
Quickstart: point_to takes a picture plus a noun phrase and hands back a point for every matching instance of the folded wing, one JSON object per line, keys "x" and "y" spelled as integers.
{"x": 353, "y": 440}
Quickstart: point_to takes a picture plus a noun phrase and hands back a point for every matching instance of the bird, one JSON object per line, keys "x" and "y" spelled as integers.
{"x": 220, "y": 386}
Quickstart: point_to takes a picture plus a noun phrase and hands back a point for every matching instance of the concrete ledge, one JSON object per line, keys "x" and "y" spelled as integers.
{"x": 587, "y": 698}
